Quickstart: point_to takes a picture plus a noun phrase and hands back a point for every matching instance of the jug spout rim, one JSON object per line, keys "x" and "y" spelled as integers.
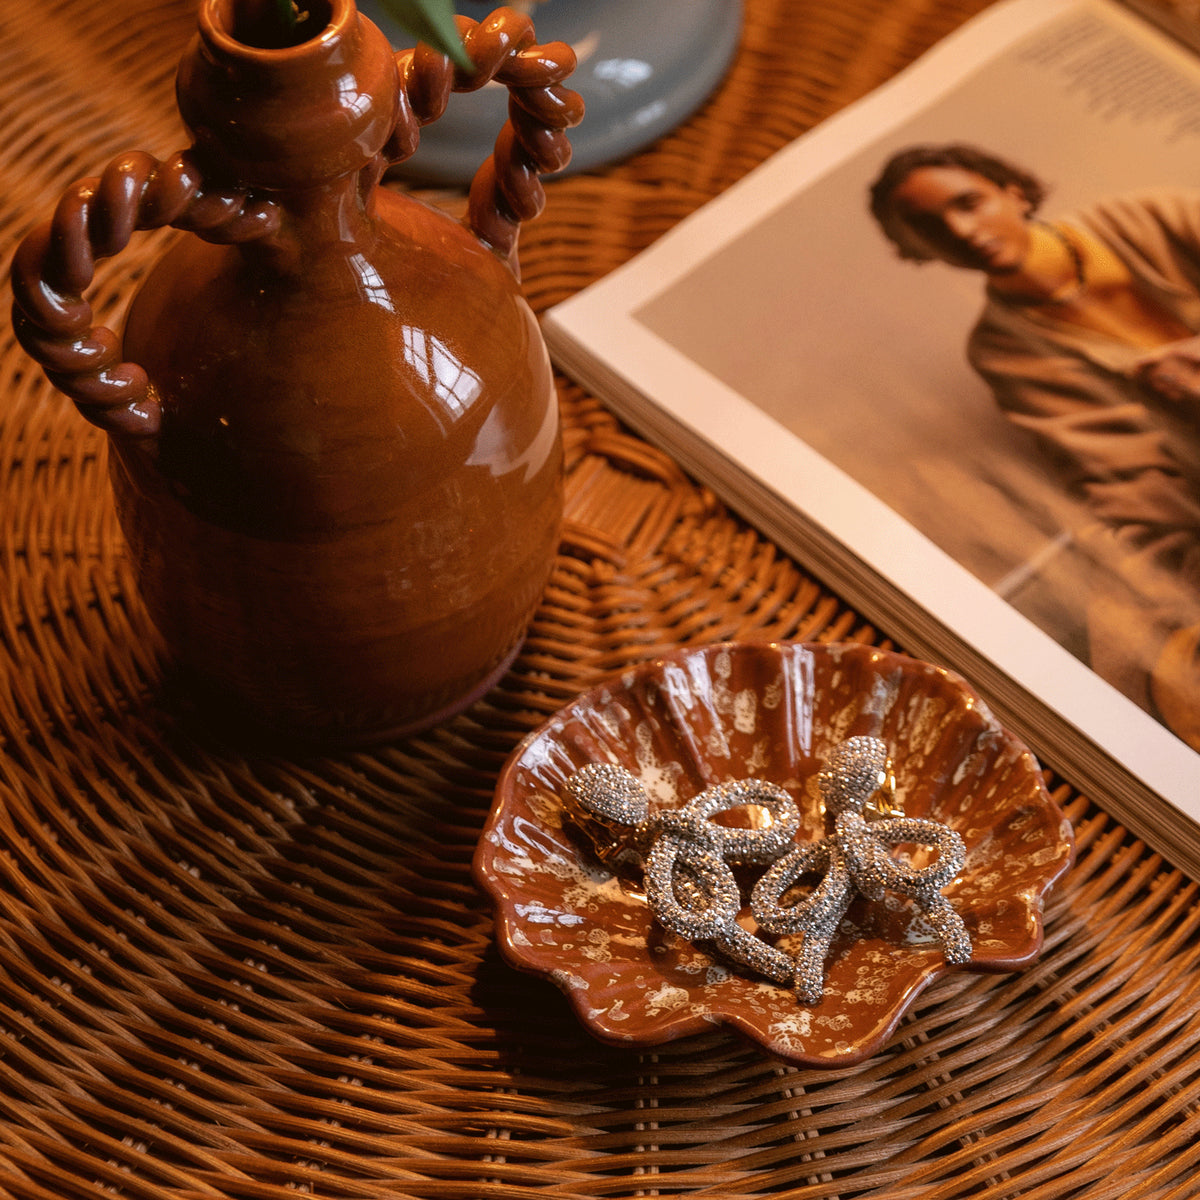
{"x": 240, "y": 27}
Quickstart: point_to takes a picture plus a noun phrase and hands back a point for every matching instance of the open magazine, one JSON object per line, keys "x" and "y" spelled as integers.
{"x": 1001, "y": 484}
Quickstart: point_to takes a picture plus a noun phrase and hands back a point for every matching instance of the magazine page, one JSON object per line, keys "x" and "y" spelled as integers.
{"x": 858, "y": 391}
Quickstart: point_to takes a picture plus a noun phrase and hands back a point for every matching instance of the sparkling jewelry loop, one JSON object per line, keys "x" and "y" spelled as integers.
{"x": 689, "y": 883}
{"x": 817, "y": 916}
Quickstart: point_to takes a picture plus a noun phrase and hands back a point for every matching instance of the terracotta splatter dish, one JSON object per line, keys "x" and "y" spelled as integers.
{"x": 701, "y": 717}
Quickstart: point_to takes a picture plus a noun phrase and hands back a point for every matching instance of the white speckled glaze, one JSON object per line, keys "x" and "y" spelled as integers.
{"x": 774, "y": 711}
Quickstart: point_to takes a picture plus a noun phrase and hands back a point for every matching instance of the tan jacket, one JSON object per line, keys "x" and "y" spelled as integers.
{"x": 1133, "y": 457}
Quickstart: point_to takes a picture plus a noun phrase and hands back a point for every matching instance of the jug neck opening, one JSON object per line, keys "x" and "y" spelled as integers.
{"x": 276, "y": 24}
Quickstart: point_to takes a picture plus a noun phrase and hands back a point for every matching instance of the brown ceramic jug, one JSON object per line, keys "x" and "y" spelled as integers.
{"x": 334, "y": 440}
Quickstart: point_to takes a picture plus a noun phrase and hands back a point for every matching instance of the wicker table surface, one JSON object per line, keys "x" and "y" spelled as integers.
{"x": 228, "y": 975}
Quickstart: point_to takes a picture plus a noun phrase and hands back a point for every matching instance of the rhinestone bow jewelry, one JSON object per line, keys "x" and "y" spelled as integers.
{"x": 857, "y": 857}
{"x": 687, "y": 860}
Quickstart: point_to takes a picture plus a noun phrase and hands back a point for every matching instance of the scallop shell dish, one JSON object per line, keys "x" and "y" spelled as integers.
{"x": 790, "y": 839}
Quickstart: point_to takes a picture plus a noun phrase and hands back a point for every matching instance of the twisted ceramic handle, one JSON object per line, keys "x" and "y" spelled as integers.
{"x": 56, "y": 262}
{"x": 506, "y": 189}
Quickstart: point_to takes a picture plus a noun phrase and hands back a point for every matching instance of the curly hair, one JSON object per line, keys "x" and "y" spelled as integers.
{"x": 951, "y": 154}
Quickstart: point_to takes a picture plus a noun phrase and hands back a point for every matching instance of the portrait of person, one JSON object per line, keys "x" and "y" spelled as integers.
{"x": 1088, "y": 338}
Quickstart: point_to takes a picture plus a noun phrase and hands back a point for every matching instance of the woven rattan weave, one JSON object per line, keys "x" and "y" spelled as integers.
{"x": 234, "y": 975}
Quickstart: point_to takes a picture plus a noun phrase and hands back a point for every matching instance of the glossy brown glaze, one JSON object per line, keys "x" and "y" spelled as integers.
{"x": 336, "y": 456}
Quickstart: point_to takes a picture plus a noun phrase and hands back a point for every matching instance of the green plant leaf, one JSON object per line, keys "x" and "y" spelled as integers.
{"x": 431, "y": 21}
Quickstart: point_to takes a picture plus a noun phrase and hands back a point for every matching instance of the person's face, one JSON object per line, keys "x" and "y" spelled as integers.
{"x": 964, "y": 219}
